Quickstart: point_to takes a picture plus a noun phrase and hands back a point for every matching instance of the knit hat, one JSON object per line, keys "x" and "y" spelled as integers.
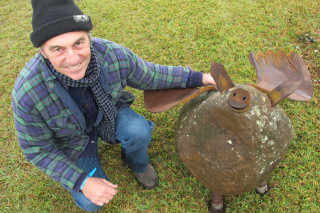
{"x": 54, "y": 17}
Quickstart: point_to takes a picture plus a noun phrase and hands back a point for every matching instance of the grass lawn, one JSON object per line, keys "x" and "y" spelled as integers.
{"x": 173, "y": 32}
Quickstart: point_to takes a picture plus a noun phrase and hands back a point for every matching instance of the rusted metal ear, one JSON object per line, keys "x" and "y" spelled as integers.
{"x": 221, "y": 77}
{"x": 282, "y": 76}
{"x": 162, "y": 100}
{"x": 282, "y": 91}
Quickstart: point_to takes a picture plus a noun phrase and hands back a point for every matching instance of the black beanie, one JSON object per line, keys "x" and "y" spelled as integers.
{"x": 54, "y": 17}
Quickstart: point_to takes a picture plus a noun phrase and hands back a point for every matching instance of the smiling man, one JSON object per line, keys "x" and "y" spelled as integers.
{"x": 72, "y": 93}
{"x": 69, "y": 53}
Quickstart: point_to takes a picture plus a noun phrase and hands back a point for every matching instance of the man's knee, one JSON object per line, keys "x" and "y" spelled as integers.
{"x": 142, "y": 131}
{"x": 133, "y": 130}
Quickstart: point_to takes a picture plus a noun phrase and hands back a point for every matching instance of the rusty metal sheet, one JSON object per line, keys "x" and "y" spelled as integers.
{"x": 275, "y": 68}
{"x": 240, "y": 100}
{"x": 221, "y": 77}
{"x": 161, "y": 100}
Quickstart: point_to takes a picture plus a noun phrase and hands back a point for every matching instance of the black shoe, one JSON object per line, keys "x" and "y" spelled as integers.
{"x": 148, "y": 179}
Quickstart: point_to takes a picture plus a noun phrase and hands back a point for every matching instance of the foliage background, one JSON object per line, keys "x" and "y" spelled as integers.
{"x": 193, "y": 32}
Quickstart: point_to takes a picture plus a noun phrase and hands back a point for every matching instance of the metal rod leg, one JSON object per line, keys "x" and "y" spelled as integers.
{"x": 217, "y": 203}
{"x": 263, "y": 188}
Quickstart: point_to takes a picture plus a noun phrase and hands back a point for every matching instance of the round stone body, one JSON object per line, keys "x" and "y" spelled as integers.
{"x": 229, "y": 151}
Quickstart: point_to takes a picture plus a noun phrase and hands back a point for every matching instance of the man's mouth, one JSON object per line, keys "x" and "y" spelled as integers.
{"x": 75, "y": 67}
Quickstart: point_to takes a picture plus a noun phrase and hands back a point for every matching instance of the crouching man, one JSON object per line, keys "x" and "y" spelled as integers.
{"x": 71, "y": 94}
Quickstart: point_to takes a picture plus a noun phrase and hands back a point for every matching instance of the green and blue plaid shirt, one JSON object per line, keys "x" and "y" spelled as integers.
{"x": 50, "y": 126}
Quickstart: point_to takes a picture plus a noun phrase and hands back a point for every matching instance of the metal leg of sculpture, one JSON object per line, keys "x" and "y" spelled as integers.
{"x": 263, "y": 188}
{"x": 216, "y": 205}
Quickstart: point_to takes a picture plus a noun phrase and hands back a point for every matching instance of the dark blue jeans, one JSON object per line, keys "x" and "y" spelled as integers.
{"x": 134, "y": 133}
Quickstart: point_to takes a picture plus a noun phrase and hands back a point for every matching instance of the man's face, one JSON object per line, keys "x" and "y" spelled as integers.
{"x": 69, "y": 53}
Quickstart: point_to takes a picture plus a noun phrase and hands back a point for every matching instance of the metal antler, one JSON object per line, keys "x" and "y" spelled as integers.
{"x": 282, "y": 76}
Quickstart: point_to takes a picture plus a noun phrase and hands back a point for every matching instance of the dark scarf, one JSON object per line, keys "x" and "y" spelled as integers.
{"x": 106, "y": 128}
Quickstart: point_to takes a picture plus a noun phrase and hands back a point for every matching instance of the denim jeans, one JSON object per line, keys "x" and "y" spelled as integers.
{"x": 134, "y": 133}
{"x": 88, "y": 164}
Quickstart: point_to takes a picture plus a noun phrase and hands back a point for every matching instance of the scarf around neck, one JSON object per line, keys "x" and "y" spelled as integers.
{"x": 106, "y": 128}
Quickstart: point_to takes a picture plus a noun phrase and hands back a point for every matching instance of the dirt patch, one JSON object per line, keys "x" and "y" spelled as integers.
{"x": 309, "y": 43}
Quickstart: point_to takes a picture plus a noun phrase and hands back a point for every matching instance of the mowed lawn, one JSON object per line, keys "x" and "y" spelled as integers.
{"x": 172, "y": 32}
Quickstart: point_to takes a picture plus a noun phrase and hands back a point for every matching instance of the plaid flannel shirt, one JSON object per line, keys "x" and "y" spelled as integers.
{"x": 50, "y": 126}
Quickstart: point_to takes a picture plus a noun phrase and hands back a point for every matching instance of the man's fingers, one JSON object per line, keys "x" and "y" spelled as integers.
{"x": 111, "y": 188}
{"x": 108, "y": 197}
{"x": 102, "y": 203}
{"x": 103, "y": 200}
{"x": 112, "y": 192}
{"x": 111, "y": 184}
{"x": 99, "y": 203}
{"x": 99, "y": 191}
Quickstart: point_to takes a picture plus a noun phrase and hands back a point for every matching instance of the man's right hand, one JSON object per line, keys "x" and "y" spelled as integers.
{"x": 99, "y": 191}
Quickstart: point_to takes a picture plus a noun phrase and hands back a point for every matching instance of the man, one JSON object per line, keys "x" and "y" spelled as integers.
{"x": 71, "y": 93}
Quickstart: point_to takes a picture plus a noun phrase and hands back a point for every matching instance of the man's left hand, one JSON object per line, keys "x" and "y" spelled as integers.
{"x": 207, "y": 80}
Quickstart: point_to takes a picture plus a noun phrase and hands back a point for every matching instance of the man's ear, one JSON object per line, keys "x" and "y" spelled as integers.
{"x": 89, "y": 36}
{"x": 43, "y": 53}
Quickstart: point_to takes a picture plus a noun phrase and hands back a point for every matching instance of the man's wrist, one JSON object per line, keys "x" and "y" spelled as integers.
{"x": 90, "y": 175}
{"x": 195, "y": 79}
{"x": 78, "y": 183}
{"x": 81, "y": 187}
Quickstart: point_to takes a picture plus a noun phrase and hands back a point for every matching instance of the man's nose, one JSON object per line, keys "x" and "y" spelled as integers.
{"x": 72, "y": 57}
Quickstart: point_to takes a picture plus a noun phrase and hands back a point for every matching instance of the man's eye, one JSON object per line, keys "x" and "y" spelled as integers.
{"x": 56, "y": 50}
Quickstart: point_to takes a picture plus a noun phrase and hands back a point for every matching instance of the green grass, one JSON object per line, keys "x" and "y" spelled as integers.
{"x": 193, "y": 32}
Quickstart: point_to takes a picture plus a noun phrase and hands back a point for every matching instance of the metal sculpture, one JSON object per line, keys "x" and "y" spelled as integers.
{"x": 231, "y": 137}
